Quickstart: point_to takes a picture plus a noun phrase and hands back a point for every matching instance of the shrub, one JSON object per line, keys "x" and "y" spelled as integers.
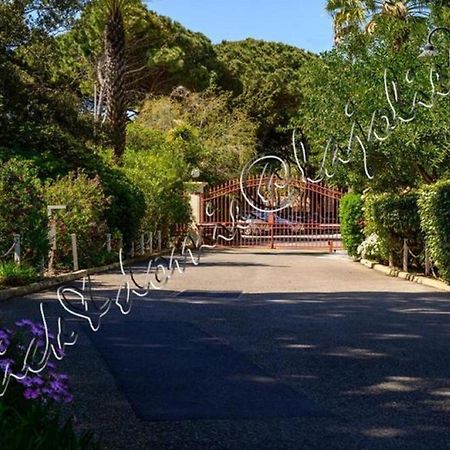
{"x": 12, "y": 274}
{"x": 127, "y": 206}
{"x": 351, "y": 218}
{"x": 434, "y": 206}
{"x": 394, "y": 217}
{"x": 29, "y": 409}
{"x": 370, "y": 248}
{"x": 85, "y": 216}
{"x": 160, "y": 177}
{"x": 38, "y": 428}
{"x": 23, "y": 210}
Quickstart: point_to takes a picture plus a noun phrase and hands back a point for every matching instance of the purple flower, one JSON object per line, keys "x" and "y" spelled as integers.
{"x": 24, "y": 323}
{"x": 37, "y": 380}
{"x": 5, "y": 336}
{"x": 26, "y": 382}
{"x": 32, "y": 394}
{"x": 6, "y": 363}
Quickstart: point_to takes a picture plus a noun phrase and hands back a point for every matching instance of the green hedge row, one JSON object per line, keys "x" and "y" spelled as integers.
{"x": 352, "y": 222}
{"x": 393, "y": 218}
{"x": 434, "y": 206}
{"x": 422, "y": 217}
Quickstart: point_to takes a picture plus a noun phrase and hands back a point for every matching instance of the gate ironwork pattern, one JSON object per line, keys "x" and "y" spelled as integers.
{"x": 310, "y": 219}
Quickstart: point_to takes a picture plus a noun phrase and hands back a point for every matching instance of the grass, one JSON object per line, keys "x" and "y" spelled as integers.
{"x": 12, "y": 274}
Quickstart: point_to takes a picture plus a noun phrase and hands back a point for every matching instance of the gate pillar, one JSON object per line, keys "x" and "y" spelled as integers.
{"x": 196, "y": 190}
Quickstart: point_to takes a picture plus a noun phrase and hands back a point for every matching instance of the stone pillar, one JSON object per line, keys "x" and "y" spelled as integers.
{"x": 196, "y": 190}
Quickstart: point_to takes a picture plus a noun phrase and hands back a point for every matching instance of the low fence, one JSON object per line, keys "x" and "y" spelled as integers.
{"x": 146, "y": 243}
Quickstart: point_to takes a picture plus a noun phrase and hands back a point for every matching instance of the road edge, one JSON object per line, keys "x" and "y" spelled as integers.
{"x": 396, "y": 273}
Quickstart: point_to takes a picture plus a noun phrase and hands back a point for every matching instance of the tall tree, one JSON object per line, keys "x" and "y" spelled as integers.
{"x": 115, "y": 66}
{"x": 350, "y": 16}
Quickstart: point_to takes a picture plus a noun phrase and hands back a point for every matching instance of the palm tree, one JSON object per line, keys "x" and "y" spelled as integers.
{"x": 115, "y": 67}
{"x": 349, "y": 16}
{"x": 361, "y": 15}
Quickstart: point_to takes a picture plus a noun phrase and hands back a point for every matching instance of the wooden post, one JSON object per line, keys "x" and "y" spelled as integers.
{"x": 17, "y": 248}
{"x": 142, "y": 244}
{"x": 405, "y": 255}
{"x": 108, "y": 242}
{"x": 74, "y": 252}
{"x": 391, "y": 259}
{"x": 52, "y": 241}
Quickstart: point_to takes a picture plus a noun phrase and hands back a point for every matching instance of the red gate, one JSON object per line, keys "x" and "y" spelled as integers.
{"x": 237, "y": 215}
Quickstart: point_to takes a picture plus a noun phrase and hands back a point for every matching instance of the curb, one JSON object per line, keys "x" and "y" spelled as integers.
{"x": 21, "y": 291}
{"x": 396, "y": 273}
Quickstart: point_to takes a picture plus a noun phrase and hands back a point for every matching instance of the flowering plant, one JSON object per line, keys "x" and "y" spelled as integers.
{"x": 46, "y": 386}
{"x": 370, "y": 248}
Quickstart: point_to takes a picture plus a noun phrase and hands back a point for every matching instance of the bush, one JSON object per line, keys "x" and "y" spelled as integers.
{"x": 351, "y": 218}
{"x": 127, "y": 206}
{"x": 85, "y": 216}
{"x": 434, "y": 203}
{"x": 160, "y": 177}
{"x": 38, "y": 429}
{"x": 393, "y": 218}
{"x": 23, "y": 210}
{"x": 370, "y": 248}
{"x": 30, "y": 414}
{"x": 12, "y": 274}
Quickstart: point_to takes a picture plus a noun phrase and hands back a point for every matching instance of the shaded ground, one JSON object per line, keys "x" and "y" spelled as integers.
{"x": 370, "y": 351}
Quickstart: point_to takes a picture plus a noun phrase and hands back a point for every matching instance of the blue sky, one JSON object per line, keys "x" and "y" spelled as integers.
{"x": 303, "y": 23}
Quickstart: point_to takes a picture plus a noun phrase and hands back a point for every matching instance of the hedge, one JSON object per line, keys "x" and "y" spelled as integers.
{"x": 23, "y": 209}
{"x": 434, "y": 204}
{"x": 394, "y": 217}
{"x": 351, "y": 218}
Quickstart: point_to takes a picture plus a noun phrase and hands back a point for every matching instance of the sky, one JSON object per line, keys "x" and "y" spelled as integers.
{"x": 303, "y": 23}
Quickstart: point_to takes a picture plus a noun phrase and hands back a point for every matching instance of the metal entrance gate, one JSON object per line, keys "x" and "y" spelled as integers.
{"x": 310, "y": 218}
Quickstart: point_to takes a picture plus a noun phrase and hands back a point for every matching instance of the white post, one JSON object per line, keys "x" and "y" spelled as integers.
{"x": 52, "y": 233}
{"x": 159, "y": 241}
{"x": 405, "y": 255}
{"x": 74, "y": 252}
{"x": 151, "y": 243}
{"x": 17, "y": 248}
{"x": 108, "y": 242}
{"x": 142, "y": 244}
{"x": 52, "y": 242}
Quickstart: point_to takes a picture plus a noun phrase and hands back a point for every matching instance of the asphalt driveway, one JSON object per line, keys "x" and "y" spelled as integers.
{"x": 266, "y": 350}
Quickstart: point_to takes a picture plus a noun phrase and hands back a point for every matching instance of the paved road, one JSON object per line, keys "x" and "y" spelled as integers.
{"x": 370, "y": 352}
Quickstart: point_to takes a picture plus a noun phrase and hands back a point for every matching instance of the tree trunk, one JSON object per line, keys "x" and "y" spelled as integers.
{"x": 116, "y": 108}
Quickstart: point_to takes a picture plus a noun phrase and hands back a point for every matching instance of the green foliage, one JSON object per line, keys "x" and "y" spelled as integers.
{"x": 393, "y": 218}
{"x": 352, "y": 222}
{"x": 159, "y": 173}
{"x": 209, "y": 135}
{"x": 35, "y": 427}
{"x": 85, "y": 216}
{"x": 415, "y": 152}
{"x": 434, "y": 203}
{"x": 12, "y": 274}
{"x": 266, "y": 81}
{"x": 23, "y": 210}
{"x": 125, "y": 210}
